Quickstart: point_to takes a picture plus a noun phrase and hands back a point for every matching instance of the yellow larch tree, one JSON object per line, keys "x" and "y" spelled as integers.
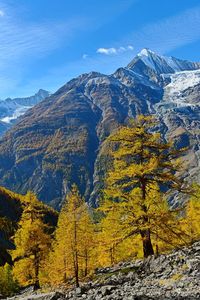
{"x": 8, "y": 286}
{"x": 87, "y": 246}
{"x": 72, "y": 255}
{"x": 191, "y": 221}
{"x": 142, "y": 167}
{"x": 110, "y": 234}
{"x": 32, "y": 243}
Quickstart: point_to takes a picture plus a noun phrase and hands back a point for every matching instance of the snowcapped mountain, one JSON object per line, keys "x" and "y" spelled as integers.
{"x": 161, "y": 64}
{"x": 58, "y": 141}
{"x": 12, "y": 109}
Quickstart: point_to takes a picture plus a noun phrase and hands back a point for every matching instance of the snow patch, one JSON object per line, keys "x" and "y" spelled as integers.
{"x": 16, "y": 114}
{"x": 146, "y": 52}
{"x": 181, "y": 81}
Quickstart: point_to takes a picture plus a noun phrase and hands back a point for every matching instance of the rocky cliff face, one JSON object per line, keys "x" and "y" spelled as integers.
{"x": 12, "y": 109}
{"x": 58, "y": 141}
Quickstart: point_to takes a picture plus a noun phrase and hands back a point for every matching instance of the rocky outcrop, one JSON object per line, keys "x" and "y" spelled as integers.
{"x": 58, "y": 142}
{"x": 174, "y": 276}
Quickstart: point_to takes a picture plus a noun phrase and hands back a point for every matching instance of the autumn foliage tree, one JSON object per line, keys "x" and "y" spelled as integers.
{"x": 113, "y": 247}
{"x": 72, "y": 254}
{"x": 191, "y": 221}
{"x": 32, "y": 243}
{"x": 143, "y": 167}
{"x": 8, "y": 285}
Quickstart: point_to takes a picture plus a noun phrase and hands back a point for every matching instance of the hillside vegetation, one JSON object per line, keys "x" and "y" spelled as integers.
{"x": 133, "y": 220}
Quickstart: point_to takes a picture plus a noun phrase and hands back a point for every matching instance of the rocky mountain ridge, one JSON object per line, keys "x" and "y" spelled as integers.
{"x": 162, "y": 64}
{"x": 58, "y": 141}
{"x": 12, "y": 109}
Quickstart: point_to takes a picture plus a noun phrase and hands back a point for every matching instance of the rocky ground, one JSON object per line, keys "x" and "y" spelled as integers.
{"x": 172, "y": 276}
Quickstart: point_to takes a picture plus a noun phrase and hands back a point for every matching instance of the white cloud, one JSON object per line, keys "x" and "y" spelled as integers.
{"x": 162, "y": 36}
{"x": 112, "y": 50}
{"x": 85, "y": 56}
{"x": 1, "y": 13}
{"x": 130, "y": 47}
{"x": 107, "y": 51}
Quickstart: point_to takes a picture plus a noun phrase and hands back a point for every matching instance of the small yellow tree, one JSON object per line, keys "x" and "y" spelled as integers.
{"x": 72, "y": 253}
{"x": 191, "y": 221}
{"x": 32, "y": 243}
{"x": 87, "y": 245}
{"x": 110, "y": 234}
{"x": 8, "y": 286}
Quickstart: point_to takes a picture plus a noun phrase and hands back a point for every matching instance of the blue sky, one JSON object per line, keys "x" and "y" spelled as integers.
{"x": 44, "y": 43}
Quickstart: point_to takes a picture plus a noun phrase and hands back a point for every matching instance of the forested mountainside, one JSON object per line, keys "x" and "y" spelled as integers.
{"x": 12, "y": 109}
{"x": 58, "y": 141}
{"x": 133, "y": 220}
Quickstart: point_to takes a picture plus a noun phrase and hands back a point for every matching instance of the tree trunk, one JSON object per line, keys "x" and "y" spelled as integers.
{"x": 157, "y": 250}
{"x": 145, "y": 234}
{"x": 147, "y": 245}
{"x": 37, "y": 266}
{"x": 112, "y": 258}
{"x": 75, "y": 254}
{"x": 64, "y": 275}
{"x": 76, "y": 274}
{"x": 86, "y": 263}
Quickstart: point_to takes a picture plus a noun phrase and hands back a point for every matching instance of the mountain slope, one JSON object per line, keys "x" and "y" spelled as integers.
{"x": 12, "y": 109}
{"x": 58, "y": 141}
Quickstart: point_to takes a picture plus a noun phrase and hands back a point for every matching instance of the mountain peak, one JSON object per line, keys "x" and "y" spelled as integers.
{"x": 160, "y": 64}
{"x": 40, "y": 91}
{"x": 146, "y": 52}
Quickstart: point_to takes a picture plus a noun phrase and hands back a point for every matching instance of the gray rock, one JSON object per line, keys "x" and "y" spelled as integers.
{"x": 175, "y": 281}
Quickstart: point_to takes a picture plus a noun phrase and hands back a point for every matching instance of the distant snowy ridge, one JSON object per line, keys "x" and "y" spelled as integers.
{"x": 12, "y": 109}
{"x": 19, "y": 111}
